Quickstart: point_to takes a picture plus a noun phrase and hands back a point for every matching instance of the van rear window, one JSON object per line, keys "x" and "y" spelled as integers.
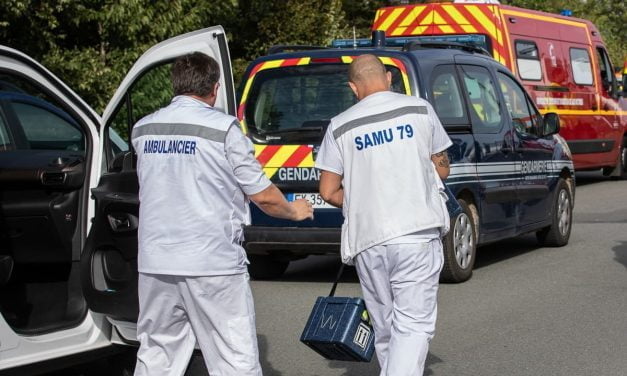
{"x": 301, "y": 98}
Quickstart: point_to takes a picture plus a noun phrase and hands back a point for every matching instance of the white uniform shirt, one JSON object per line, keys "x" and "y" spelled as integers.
{"x": 195, "y": 169}
{"x": 382, "y": 147}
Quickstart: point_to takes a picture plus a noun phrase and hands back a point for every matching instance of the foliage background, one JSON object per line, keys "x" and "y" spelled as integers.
{"x": 90, "y": 44}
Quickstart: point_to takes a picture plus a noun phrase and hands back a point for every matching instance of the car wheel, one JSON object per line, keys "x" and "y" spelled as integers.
{"x": 558, "y": 233}
{"x": 266, "y": 267}
{"x": 619, "y": 172}
{"x": 460, "y": 245}
{"x": 623, "y": 160}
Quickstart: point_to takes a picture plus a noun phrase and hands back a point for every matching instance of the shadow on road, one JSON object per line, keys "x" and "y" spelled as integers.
{"x": 318, "y": 269}
{"x": 324, "y": 268}
{"x": 620, "y": 253}
{"x": 505, "y": 249}
{"x": 266, "y": 365}
{"x": 590, "y": 177}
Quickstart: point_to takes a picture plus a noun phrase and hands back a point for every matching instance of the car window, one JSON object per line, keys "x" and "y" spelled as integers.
{"x": 150, "y": 92}
{"x": 446, "y": 94}
{"x": 297, "y": 97}
{"x": 5, "y": 141}
{"x": 580, "y": 62}
{"x": 46, "y": 130}
{"x": 521, "y": 112}
{"x": 482, "y": 99}
{"x": 35, "y": 120}
{"x": 528, "y": 60}
{"x": 605, "y": 68}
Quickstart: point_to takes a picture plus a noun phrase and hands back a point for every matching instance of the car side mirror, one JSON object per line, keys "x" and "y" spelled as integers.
{"x": 551, "y": 123}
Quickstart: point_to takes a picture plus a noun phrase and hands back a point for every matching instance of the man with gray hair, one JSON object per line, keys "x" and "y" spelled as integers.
{"x": 382, "y": 161}
{"x": 196, "y": 172}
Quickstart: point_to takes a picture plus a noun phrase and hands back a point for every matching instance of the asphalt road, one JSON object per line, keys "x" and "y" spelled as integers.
{"x": 526, "y": 311}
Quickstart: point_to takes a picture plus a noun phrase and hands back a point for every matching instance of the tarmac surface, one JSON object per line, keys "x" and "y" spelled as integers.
{"x": 526, "y": 311}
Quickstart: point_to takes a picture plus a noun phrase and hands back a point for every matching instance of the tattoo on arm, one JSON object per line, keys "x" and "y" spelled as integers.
{"x": 442, "y": 159}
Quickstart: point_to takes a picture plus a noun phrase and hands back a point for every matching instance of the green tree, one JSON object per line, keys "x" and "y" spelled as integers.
{"x": 91, "y": 44}
{"x": 360, "y": 15}
{"x": 263, "y": 24}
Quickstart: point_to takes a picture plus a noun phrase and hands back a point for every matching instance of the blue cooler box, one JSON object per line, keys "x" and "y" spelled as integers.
{"x": 339, "y": 329}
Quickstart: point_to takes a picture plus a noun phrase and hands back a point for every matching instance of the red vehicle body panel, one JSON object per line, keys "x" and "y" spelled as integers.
{"x": 593, "y": 119}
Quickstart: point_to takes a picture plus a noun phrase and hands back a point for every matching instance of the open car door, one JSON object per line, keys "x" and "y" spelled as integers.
{"x": 109, "y": 260}
{"x": 49, "y": 161}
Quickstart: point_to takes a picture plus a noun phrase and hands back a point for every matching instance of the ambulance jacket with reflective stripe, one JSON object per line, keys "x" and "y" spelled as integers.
{"x": 193, "y": 204}
{"x": 382, "y": 146}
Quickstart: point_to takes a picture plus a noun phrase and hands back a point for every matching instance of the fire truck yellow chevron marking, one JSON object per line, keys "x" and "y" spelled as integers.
{"x": 483, "y": 20}
{"x": 469, "y": 28}
{"x": 446, "y": 29}
{"x": 428, "y": 20}
{"x": 378, "y": 15}
{"x": 398, "y": 31}
{"x": 411, "y": 17}
{"x": 437, "y": 18}
{"x": 419, "y": 30}
{"x": 498, "y": 57}
{"x": 391, "y": 18}
{"x": 282, "y": 155}
{"x": 454, "y": 13}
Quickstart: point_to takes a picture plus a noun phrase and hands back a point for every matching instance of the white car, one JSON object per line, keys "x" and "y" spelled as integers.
{"x": 68, "y": 203}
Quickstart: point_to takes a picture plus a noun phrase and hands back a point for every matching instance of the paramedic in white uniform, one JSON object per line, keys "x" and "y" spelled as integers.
{"x": 196, "y": 172}
{"x": 382, "y": 161}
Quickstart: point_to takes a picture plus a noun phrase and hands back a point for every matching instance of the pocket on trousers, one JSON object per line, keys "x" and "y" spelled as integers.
{"x": 440, "y": 249}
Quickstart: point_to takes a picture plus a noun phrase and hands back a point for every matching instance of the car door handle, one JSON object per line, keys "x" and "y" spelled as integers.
{"x": 122, "y": 222}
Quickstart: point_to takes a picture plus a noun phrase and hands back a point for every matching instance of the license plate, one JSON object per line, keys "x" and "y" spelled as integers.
{"x": 314, "y": 198}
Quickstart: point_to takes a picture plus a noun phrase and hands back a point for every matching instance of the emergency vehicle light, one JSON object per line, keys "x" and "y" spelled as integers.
{"x": 566, "y": 12}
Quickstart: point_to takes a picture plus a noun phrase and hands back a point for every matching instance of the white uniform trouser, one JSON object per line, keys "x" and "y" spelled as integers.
{"x": 175, "y": 312}
{"x": 400, "y": 283}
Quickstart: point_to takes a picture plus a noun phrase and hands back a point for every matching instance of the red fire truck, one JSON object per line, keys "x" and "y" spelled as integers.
{"x": 561, "y": 60}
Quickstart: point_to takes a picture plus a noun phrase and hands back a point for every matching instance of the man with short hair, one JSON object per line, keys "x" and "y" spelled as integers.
{"x": 196, "y": 172}
{"x": 382, "y": 161}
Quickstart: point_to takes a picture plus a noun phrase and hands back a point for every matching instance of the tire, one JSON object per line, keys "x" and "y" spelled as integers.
{"x": 460, "y": 245}
{"x": 619, "y": 172}
{"x": 266, "y": 267}
{"x": 622, "y": 174}
{"x": 558, "y": 233}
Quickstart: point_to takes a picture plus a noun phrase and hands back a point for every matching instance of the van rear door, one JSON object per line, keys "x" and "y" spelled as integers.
{"x": 285, "y": 107}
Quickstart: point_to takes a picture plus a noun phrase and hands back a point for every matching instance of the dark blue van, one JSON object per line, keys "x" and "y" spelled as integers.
{"x": 511, "y": 171}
